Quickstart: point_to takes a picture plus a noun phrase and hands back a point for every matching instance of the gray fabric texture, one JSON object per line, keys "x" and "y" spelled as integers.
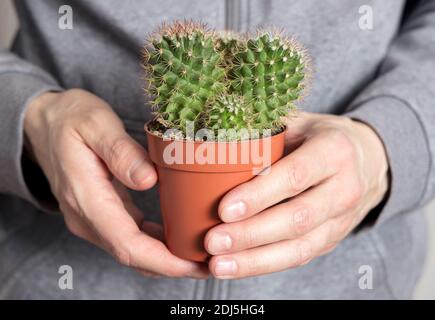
{"x": 384, "y": 77}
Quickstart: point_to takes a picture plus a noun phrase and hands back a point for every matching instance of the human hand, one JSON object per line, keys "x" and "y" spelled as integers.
{"x": 79, "y": 142}
{"x": 336, "y": 174}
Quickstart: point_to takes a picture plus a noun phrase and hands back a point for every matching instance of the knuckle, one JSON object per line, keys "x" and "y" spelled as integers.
{"x": 97, "y": 114}
{"x": 329, "y": 248}
{"x": 338, "y": 135}
{"x": 92, "y": 118}
{"x": 303, "y": 252}
{"x": 254, "y": 265}
{"x": 301, "y": 221}
{"x": 341, "y": 228}
{"x": 122, "y": 255}
{"x": 354, "y": 196}
{"x": 165, "y": 267}
{"x": 126, "y": 255}
{"x": 343, "y": 142}
{"x": 296, "y": 176}
{"x": 75, "y": 92}
{"x": 118, "y": 152}
{"x": 60, "y": 137}
{"x": 250, "y": 238}
{"x": 80, "y": 118}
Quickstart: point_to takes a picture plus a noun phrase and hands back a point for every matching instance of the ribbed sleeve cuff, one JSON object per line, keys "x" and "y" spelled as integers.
{"x": 407, "y": 149}
{"x": 16, "y": 90}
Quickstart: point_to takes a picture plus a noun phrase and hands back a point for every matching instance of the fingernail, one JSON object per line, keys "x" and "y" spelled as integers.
{"x": 234, "y": 211}
{"x": 219, "y": 242}
{"x": 225, "y": 267}
{"x": 139, "y": 172}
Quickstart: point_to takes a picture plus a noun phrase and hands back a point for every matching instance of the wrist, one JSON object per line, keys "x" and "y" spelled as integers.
{"x": 35, "y": 119}
{"x": 36, "y": 108}
{"x": 375, "y": 156}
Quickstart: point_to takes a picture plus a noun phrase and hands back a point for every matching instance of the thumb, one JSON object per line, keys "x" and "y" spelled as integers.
{"x": 126, "y": 159}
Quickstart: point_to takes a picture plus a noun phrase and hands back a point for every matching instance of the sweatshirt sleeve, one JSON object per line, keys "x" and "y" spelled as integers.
{"x": 20, "y": 81}
{"x": 400, "y": 105}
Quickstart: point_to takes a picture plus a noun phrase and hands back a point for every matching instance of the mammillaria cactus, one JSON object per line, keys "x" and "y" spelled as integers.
{"x": 229, "y": 112}
{"x": 223, "y": 81}
{"x": 268, "y": 71}
{"x": 185, "y": 72}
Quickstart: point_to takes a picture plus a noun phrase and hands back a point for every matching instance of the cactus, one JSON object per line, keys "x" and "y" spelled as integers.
{"x": 227, "y": 116}
{"x": 268, "y": 72}
{"x": 223, "y": 82}
{"x": 185, "y": 72}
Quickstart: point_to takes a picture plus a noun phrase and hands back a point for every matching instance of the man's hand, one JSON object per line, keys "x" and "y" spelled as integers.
{"x": 80, "y": 143}
{"x": 336, "y": 174}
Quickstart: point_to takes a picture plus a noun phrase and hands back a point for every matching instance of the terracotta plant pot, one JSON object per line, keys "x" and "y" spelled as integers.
{"x": 190, "y": 190}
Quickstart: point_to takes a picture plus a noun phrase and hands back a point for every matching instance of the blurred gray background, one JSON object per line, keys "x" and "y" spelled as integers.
{"x": 426, "y": 287}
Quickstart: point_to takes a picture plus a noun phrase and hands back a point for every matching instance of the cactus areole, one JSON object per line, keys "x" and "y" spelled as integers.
{"x": 237, "y": 88}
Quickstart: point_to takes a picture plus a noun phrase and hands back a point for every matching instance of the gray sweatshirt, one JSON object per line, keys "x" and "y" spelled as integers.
{"x": 384, "y": 76}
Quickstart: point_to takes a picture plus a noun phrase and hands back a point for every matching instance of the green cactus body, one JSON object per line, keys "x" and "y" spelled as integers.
{"x": 268, "y": 71}
{"x": 226, "y": 82}
{"x": 186, "y": 73}
{"x": 229, "y": 44}
{"x": 228, "y": 115}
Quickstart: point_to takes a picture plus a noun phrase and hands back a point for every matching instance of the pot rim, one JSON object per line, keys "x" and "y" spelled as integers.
{"x": 156, "y": 145}
{"x": 208, "y": 142}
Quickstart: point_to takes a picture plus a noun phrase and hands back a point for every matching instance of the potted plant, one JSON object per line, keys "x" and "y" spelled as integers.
{"x": 218, "y": 104}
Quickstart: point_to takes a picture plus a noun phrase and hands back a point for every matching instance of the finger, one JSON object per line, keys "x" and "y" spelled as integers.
{"x": 101, "y": 208}
{"x": 83, "y": 231}
{"x": 289, "y": 220}
{"x": 121, "y": 190}
{"x": 128, "y": 203}
{"x": 148, "y": 274}
{"x": 153, "y": 229}
{"x": 308, "y": 165}
{"x": 104, "y": 211}
{"x": 124, "y": 157}
{"x": 273, "y": 257}
{"x": 340, "y": 227}
{"x": 79, "y": 228}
